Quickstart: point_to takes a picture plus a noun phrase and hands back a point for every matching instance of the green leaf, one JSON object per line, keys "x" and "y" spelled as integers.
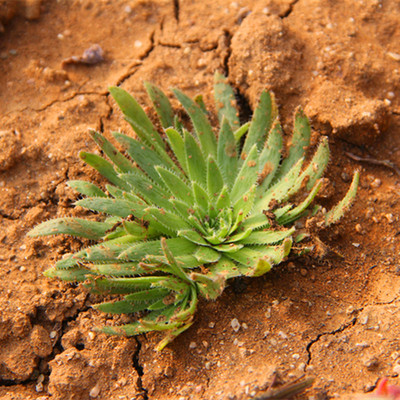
{"x": 241, "y": 131}
{"x": 249, "y": 257}
{"x": 215, "y": 182}
{"x": 116, "y": 207}
{"x": 104, "y": 167}
{"x": 193, "y": 236}
{"x": 207, "y": 255}
{"x": 224, "y": 200}
{"x": 338, "y": 211}
{"x": 86, "y": 188}
{"x": 72, "y": 226}
{"x": 246, "y": 177}
{"x": 267, "y": 237}
{"x": 146, "y": 158}
{"x": 150, "y": 191}
{"x": 296, "y": 212}
{"x": 227, "y": 154}
{"x": 201, "y": 198}
{"x": 317, "y": 165}
{"x": 245, "y": 203}
{"x": 161, "y": 104}
{"x": 70, "y": 275}
{"x": 261, "y": 123}
{"x": 177, "y": 187}
{"x": 174, "y": 268}
{"x": 117, "y": 269}
{"x": 195, "y": 160}
{"x": 201, "y": 125}
{"x": 270, "y": 157}
{"x": 113, "y": 154}
{"x": 171, "y": 222}
{"x": 300, "y": 142}
{"x": 280, "y": 191}
{"x": 125, "y": 306}
{"x": 225, "y": 101}
{"x": 178, "y": 147}
{"x": 122, "y": 285}
{"x": 138, "y": 119}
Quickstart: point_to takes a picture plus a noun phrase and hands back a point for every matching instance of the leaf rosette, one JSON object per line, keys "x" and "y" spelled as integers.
{"x": 184, "y": 211}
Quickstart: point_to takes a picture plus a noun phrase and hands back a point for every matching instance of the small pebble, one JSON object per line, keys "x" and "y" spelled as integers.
{"x": 345, "y": 177}
{"x": 39, "y": 387}
{"x": 13, "y": 52}
{"x": 53, "y": 334}
{"x": 282, "y": 335}
{"x": 303, "y": 272}
{"x": 390, "y": 218}
{"x": 349, "y": 310}
{"x": 390, "y": 95}
{"x": 138, "y": 43}
{"x": 358, "y": 228}
{"x": 22, "y": 269}
{"x": 376, "y": 183}
{"x": 371, "y": 363}
{"x": 192, "y": 345}
{"x": 245, "y": 326}
{"x": 393, "y": 56}
{"x": 235, "y": 324}
{"x": 94, "y": 392}
{"x": 211, "y": 325}
{"x": 356, "y": 244}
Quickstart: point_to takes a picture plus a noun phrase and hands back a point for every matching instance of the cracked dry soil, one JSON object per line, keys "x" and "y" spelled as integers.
{"x": 336, "y": 318}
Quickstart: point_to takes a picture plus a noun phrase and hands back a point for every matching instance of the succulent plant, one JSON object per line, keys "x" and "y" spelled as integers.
{"x": 186, "y": 211}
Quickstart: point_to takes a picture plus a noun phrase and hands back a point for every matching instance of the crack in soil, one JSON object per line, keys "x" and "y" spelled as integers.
{"x": 176, "y": 10}
{"x": 289, "y": 10}
{"x": 143, "y": 392}
{"x": 225, "y": 61}
{"x": 133, "y": 68}
{"x": 55, "y": 101}
{"x": 334, "y": 332}
{"x": 8, "y": 216}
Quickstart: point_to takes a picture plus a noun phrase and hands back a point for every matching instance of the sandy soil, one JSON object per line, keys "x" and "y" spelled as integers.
{"x": 336, "y": 318}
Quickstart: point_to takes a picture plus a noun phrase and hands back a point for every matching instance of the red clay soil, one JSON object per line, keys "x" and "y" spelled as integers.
{"x": 335, "y": 317}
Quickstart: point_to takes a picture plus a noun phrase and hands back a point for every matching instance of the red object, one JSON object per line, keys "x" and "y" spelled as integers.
{"x": 384, "y": 389}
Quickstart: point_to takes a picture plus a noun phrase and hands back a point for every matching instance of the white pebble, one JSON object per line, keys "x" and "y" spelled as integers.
{"x": 192, "y": 345}
{"x": 94, "y": 392}
{"x": 390, "y": 95}
{"x": 393, "y": 56}
{"x": 282, "y": 335}
{"x": 376, "y": 183}
{"x": 138, "y": 43}
{"x": 235, "y": 324}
